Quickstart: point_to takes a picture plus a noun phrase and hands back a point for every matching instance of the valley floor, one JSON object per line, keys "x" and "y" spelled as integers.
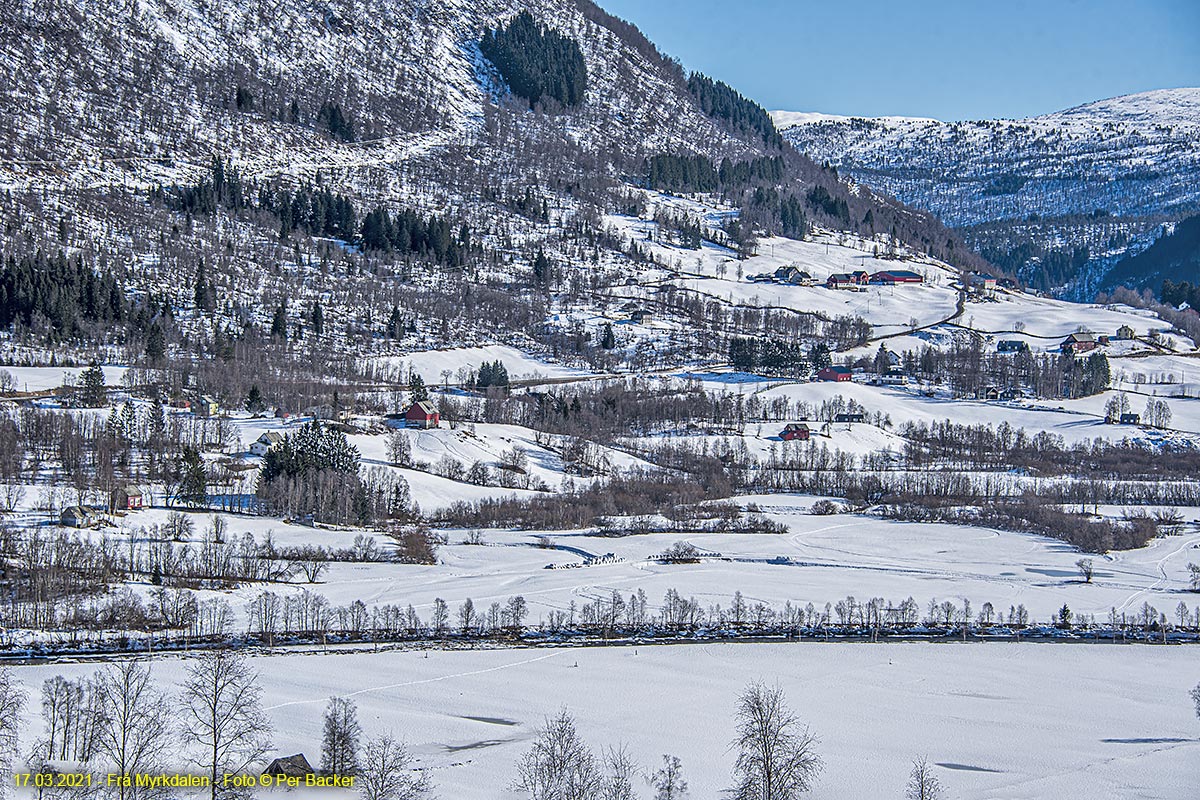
{"x": 1002, "y": 721}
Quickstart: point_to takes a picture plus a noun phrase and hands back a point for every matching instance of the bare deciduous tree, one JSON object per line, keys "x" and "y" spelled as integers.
{"x": 387, "y": 773}
{"x": 1085, "y": 569}
{"x": 136, "y": 726}
{"x": 339, "y": 748}
{"x": 620, "y": 770}
{"x": 922, "y": 783}
{"x": 776, "y": 754}
{"x": 668, "y": 782}
{"x": 12, "y": 700}
{"x": 222, "y": 714}
{"x": 559, "y": 766}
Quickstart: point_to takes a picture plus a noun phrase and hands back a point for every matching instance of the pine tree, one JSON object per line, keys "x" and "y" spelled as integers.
{"x": 608, "y": 341}
{"x": 318, "y": 319}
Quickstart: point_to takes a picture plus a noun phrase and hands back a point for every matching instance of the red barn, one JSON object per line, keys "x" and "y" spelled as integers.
{"x": 893, "y": 276}
{"x": 127, "y": 498}
{"x": 422, "y": 414}
{"x": 795, "y": 430}
{"x": 835, "y": 373}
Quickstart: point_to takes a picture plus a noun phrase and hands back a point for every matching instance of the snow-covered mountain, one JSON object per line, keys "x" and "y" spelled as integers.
{"x": 1105, "y": 175}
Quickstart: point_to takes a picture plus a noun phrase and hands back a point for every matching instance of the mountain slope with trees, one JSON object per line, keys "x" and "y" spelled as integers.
{"x": 1057, "y": 199}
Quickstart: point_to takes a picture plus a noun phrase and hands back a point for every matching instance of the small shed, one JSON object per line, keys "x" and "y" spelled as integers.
{"x": 422, "y": 414}
{"x": 127, "y": 498}
{"x": 795, "y": 431}
{"x": 294, "y": 766}
{"x": 77, "y": 517}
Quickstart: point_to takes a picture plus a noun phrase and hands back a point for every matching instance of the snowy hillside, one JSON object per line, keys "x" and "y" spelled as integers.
{"x": 1104, "y": 175}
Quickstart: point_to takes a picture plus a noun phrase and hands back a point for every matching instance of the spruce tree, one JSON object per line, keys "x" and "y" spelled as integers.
{"x": 254, "y": 401}
{"x": 609, "y": 340}
{"x": 92, "y": 393}
{"x": 279, "y": 322}
{"x": 416, "y": 388}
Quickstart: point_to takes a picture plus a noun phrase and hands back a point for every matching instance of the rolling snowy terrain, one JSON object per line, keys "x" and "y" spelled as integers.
{"x": 1106, "y": 175}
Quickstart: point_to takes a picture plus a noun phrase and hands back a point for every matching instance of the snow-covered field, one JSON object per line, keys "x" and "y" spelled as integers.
{"x": 830, "y": 558}
{"x": 1018, "y": 722}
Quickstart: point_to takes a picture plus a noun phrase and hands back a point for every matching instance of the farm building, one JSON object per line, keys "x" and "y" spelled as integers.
{"x": 1125, "y": 333}
{"x": 264, "y": 443}
{"x": 77, "y": 517}
{"x": 840, "y": 280}
{"x": 1131, "y": 419}
{"x": 1012, "y": 346}
{"x": 295, "y": 766}
{"x": 127, "y": 498}
{"x": 850, "y": 417}
{"x": 894, "y": 377}
{"x": 422, "y": 414}
{"x": 795, "y": 431}
{"x": 1078, "y": 343}
{"x": 891, "y": 277}
{"x": 835, "y": 374}
{"x": 204, "y": 405}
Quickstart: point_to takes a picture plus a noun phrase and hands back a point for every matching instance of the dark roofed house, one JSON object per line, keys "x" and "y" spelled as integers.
{"x": 422, "y": 414}
{"x": 835, "y": 373}
{"x": 1012, "y": 346}
{"x": 840, "y": 280}
{"x": 890, "y": 277}
{"x": 76, "y": 517}
{"x": 795, "y": 431}
{"x": 1078, "y": 343}
{"x": 295, "y": 766}
{"x": 1131, "y": 419}
{"x": 850, "y": 417}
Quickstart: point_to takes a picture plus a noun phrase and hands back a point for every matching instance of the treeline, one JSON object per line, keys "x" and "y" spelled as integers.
{"x": 410, "y": 234}
{"x": 1176, "y": 294}
{"x": 311, "y": 209}
{"x": 63, "y": 579}
{"x": 537, "y": 62}
{"x": 66, "y": 297}
{"x": 1043, "y": 267}
{"x": 678, "y": 173}
{"x": 720, "y": 100}
{"x": 969, "y": 370}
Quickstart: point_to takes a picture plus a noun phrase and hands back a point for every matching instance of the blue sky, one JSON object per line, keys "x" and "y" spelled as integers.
{"x": 949, "y": 59}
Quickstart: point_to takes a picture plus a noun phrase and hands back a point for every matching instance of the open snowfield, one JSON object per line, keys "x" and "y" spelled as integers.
{"x": 432, "y": 364}
{"x": 999, "y": 721}
{"x": 830, "y": 557}
{"x": 38, "y": 379}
